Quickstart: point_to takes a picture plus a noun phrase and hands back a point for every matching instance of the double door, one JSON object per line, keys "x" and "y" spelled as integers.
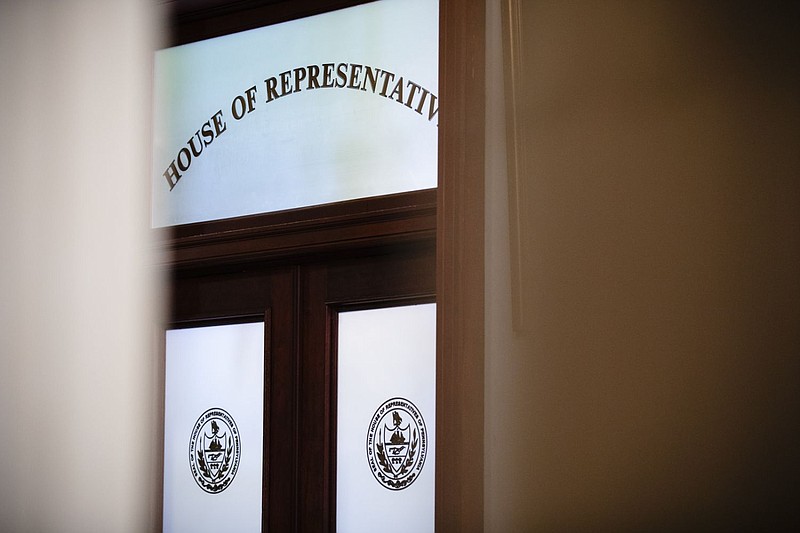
{"x": 343, "y": 334}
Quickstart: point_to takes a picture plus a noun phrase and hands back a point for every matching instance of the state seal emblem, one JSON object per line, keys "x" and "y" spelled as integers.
{"x": 214, "y": 450}
{"x": 396, "y": 443}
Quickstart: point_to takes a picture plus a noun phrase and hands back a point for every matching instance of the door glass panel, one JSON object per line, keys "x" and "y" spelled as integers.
{"x": 386, "y": 421}
{"x": 332, "y": 107}
{"x": 213, "y": 427}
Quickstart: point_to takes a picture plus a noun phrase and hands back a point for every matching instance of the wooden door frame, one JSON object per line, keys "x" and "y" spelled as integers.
{"x": 455, "y": 219}
{"x": 460, "y": 266}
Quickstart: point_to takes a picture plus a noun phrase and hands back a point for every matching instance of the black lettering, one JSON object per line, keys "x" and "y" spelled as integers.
{"x": 355, "y": 71}
{"x": 313, "y": 77}
{"x": 286, "y": 82}
{"x": 219, "y": 125}
{"x": 341, "y": 73}
{"x": 172, "y": 175}
{"x": 243, "y": 106}
{"x": 371, "y": 77}
{"x": 238, "y": 115}
{"x": 398, "y": 90}
{"x": 299, "y": 76}
{"x": 327, "y": 75}
{"x": 411, "y": 93}
{"x": 387, "y": 77}
{"x": 362, "y": 77}
{"x": 181, "y": 165}
{"x": 207, "y": 133}
{"x": 251, "y": 98}
{"x": 195, "y": 151}
{"x": 431, "y": 111}
{"x": 422, "y": 98}
{"x": 272, "y": 93}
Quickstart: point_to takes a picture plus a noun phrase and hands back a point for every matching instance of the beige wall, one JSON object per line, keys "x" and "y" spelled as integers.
{"x": 78, "y": 397}
{"x": 656, "y": 387}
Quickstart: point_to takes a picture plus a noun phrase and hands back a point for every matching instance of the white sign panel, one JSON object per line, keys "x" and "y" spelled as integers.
{"x": 386, "y": 421}
{"x": 333, "y": 107}
{"x": 213, "y": 428}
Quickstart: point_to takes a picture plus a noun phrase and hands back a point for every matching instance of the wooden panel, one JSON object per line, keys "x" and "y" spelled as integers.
{"x": 265, "y": 454}
{"x": 459, "y": 262}
{"x": 226, "y": 294}
{"x": 229, "y": 297}
{"x": 314, "y": 408}
{"x": 194, "y": 20}
{"x": 402, "y": 275}
{"x": 283, "y": 390}
{"x": 300, "y": 381}
{"x": 328, "y": 230}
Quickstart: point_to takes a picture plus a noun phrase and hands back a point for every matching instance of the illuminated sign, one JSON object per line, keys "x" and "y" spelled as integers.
{"x": 334, "y": 107}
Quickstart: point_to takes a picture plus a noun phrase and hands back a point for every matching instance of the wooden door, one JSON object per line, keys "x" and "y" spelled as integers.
{"x": 296, "y": 271}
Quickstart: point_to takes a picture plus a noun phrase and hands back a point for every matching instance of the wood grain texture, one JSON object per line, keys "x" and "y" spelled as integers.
{"x": 460, "y": 270}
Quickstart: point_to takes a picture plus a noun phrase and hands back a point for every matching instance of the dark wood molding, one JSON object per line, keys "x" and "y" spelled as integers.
{"x": 193, "y": 20}
{"x": 320, "y": 230}
{"x": 314, "y": 476}
{"x": 159, "y": 339}
{"x": 460, "y": 267}
{"x": 332, "y": 348}
{"x": 265, "y": 484}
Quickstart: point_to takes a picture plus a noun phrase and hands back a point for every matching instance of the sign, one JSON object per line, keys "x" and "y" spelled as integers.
{"x": 333, "y": 107}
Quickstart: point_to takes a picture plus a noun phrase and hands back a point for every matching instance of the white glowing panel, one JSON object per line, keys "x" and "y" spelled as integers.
{"x": 213, "y": 428}
{"x": 386, "y": 420}
{"x": 333, "y": 107}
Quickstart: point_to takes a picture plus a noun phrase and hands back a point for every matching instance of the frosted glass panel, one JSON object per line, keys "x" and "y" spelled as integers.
{"x": 386, "y": 420}
{"x": 333, "y": 107}
{"x": 213, "y": 428}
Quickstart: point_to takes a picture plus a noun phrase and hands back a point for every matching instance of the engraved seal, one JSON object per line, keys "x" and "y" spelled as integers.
{"x": 214, "y": 450}
{"x": 397, "y": 442}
